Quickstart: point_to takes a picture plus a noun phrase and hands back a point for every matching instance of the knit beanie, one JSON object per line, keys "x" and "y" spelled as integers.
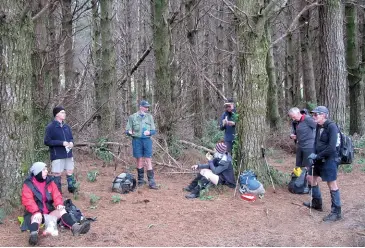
{"x": 57, "y": 109}
{"x": 37, "y": 167}
{"x": 221, "y": 147}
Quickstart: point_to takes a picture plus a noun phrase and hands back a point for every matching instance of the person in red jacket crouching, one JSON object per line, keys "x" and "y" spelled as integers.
{"x": 40, "y": 196}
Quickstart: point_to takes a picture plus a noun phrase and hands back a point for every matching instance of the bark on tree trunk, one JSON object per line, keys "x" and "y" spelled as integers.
{"x": 107, "y": 85}
{"x": 309, "y": 83}
{"x": 163, "y": 92}
{"x": 332, "y": 50}
{"x": 16, "y": 42}
{"x": 356, "y": 86}
{"x": 272, "y": 93}
{"x": 253, "y": 43}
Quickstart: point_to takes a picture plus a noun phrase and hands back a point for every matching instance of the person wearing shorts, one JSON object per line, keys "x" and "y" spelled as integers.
{"x": 141, "y": 127}
{"x": 326, "y": 161}
{"x": 59, "y": 139}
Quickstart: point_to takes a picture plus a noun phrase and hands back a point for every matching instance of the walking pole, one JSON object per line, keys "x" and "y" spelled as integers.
{"x": 267, "y": 166}
{"x": 311, "y": 194}
{"x": 238, "y": 177}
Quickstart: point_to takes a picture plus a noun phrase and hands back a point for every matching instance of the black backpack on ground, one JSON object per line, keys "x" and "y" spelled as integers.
{"x": 346, "y": 149}
{"x": 298, "y": 185}
{"x": 74, "y": 211}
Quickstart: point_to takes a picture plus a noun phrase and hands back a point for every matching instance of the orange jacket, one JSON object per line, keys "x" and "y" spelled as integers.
{"x": 32, "y": 198}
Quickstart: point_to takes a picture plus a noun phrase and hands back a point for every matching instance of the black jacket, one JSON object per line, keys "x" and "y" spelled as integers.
{"x": 224, "y": 169}
{"x": 325, "y": 142}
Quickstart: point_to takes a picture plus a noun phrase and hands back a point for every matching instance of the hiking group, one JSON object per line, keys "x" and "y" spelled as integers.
{"x": 317, "y": 143}
{"x": 316, "y": 140}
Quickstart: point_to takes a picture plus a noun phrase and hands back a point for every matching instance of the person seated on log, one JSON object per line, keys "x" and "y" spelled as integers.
{"x": 41, "y": 196}
{"x": 219, "y": 170}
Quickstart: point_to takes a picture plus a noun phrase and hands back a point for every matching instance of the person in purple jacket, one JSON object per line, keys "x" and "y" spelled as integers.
{"x": 60, "y": 141}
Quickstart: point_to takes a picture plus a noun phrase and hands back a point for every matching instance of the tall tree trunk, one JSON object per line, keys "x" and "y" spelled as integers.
{"x": 309, "y": 83}
{"x": 356, "y": 86}
{"x": 107, "y": 87}
{"x": 45, "y": 72}
{"x": 163, "y": 93}
{"x": 289, "y": 61}
{"x": 192, "y": 35}
{"x": 251, "y": 127}
{"x": 332, "y": 50}
{"x": 16, "y": 122}
{"x": 272, "y": 93}
{"x": 96, "y": 50}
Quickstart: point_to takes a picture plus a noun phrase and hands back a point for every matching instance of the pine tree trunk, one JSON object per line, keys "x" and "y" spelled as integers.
{"x": 251, "y": 127}
{"x": 16, "y": 42}
{"x": 309, "y": 83}
{"x": 356, "y": 86}
{"x": 107, "y": 87}
{"x": 163, "y": 92}
{"x": 333, "y": 67}
{"x": 272, "y": 93}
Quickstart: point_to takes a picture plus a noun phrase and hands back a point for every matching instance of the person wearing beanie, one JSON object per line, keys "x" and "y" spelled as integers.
{"x": 141, "y": 127}
{"x": 58, "y": 137}
{"x": 228, "y": 125}
{"x": 40, "y": 196}
{"x": 219, "y": 170}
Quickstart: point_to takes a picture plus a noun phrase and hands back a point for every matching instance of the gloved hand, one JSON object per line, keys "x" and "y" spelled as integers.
{"x": 37, "y": 217}
{"x": 312, "y": 157}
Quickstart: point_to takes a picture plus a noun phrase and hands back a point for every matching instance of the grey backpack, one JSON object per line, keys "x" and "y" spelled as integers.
{"x": 124, "y": 183}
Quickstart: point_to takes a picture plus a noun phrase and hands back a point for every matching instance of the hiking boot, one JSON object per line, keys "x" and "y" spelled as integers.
{"x": 33, "y": 239}
{"x": 151, "y": 179}
{"x": 316, "y": 204}
{"x": 192, "y": 196}
{"x": 71, "y": 190}
{"x": 78, "y": 229}
{"x": 140, "y": 173}
{"x": 334, "y": 215}
{"x": 193, "y": 183}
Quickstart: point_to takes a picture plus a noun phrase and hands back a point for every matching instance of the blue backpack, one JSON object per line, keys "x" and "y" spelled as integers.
{"x": 249, "y": 183}
{"x": 74, "y": 211}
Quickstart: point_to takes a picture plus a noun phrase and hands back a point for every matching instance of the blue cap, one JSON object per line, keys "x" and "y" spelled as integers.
{"x": 144, "y": 103}
{"x": 320, "y": 109}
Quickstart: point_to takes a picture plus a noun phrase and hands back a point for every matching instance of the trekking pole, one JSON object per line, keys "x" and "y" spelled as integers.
{"x": 238, "y": 177}
{"x": 267, "y": 166}
{"x": 311, "y": 194}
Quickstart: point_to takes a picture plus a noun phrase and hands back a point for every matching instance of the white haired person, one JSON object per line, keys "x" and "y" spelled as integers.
{"x": 41, "y": 196}
{"x": 219, "y": 170}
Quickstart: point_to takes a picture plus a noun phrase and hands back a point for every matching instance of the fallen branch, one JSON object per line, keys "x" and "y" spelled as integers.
{"x": 179, "y": 166}
{"x": 214, "y": 87}
{"x": 167, "y": 165}
{"x": 91, "y": 117}
{"x": 196, "y": 146}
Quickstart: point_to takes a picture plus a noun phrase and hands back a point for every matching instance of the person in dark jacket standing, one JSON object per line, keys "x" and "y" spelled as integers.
{"x": 41, "y": 196}
{"x": 227, "y": 123}
{"x": 304, "y": 135}
{"x": 219, "y": 170}
{"x": 60, "y": 141}
{"x": 325, "y": 161}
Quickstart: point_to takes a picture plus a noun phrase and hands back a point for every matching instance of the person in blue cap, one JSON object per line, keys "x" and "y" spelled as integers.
{"x": 141, "y": 127}
{"x": 325, "y": 163}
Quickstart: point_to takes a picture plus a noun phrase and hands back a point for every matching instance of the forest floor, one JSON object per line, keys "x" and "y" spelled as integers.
{"x": 165, "y": 218}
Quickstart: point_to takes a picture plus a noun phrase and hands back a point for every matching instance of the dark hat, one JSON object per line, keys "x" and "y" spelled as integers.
{"x": 320, "y": 109}
{"x": 57, "y": 109}
{"x": 221, "y": 147}
{"x": 228, "y": 101}
{"x": 144, "y": 103}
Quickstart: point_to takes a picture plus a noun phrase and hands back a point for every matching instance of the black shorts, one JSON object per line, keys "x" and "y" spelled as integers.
{"x": 327, "y": 170}
{"x": 302, "y": 156}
